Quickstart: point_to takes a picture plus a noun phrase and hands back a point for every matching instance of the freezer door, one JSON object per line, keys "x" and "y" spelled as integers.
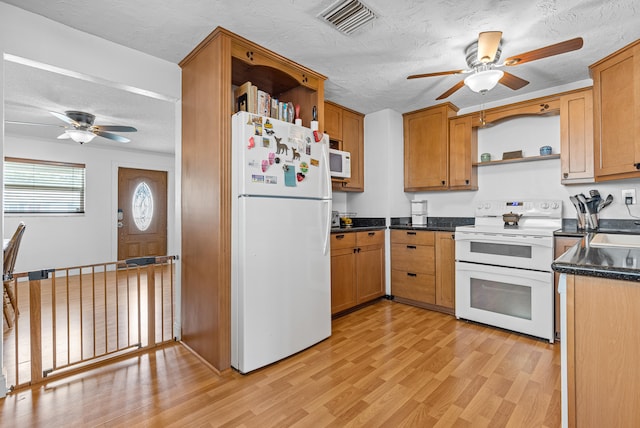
{"x": 281, "y": 288}
{"x": 277, "y": 158}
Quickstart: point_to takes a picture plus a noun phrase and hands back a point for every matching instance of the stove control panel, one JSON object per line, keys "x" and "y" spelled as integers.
{"x": 541, "y": 208}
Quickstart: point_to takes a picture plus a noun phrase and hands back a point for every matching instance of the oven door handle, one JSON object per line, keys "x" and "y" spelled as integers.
{"x": 506, "y": 240}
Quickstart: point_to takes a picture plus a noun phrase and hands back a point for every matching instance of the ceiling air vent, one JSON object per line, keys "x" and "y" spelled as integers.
{"x": 347, "y": 15}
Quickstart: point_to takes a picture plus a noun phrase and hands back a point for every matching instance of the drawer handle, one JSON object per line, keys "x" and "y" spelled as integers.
{"x": 371, "y": 233}
{"x": 339, "y": 236}
{"x": 411, "y": 274}
{"x": 411, "y": 233}
{"x": 411, "y": 247}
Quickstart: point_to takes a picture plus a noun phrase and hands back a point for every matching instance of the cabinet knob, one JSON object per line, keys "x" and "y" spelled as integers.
{"x": 565, "y": 175}
{"x": 411, "y": 233}
{"x": 444, "y": 182}
{"x": 466, "y": 181}
{"x": 637, "y": 165}
{"x": 411, "y": 247}
{"x": 371, "y": 233}
{"x": 339, "y": 236}
{"x": 411, "y": 274}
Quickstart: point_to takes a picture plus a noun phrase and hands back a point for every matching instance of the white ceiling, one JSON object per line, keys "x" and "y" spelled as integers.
{"x": 367, "y": 70}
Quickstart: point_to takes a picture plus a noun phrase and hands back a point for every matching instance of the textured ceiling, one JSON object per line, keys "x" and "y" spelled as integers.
{"x": 367, "y": 70}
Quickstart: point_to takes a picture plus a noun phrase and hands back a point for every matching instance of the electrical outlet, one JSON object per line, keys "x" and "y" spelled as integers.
{"x": 629, "y": 193}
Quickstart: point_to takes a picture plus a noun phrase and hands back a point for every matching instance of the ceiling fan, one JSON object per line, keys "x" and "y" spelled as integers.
{"x": 82, "y": 130}
{"x": 482, "y": 60}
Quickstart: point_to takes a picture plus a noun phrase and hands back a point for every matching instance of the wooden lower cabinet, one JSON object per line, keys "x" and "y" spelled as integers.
{"x": 445, "y": 270}
{"x": 603, "y": 344}
{"x": 357, "y": 269}
{"x": 423, "y": 269}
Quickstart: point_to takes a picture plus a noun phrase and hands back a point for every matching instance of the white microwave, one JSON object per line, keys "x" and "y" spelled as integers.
{"x": 339, "y": 163}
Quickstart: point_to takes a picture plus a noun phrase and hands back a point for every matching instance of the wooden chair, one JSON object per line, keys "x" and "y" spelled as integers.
{"x": 10, "y": 256}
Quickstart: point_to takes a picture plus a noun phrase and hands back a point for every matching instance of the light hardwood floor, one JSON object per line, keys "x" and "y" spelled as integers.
{"x": 387, "y": 365}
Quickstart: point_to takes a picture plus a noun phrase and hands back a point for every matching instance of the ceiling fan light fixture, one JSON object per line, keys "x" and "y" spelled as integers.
{"x": 80, "y": 135}
{"x": 483, "y": 81}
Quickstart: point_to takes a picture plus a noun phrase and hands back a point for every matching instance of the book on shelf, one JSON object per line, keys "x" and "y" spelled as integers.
{"x": 241, "y": 95}
{"x": 264, "y": 103}
{"x": 274, "y": 108}
{"x": 253, "y": 100}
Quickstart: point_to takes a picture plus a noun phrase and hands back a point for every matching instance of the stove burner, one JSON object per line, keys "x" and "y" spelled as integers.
{"x": 511, "y": 225}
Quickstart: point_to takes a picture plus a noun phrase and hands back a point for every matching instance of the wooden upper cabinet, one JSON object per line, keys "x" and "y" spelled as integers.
{"x": 333, "y": 121}
{"x": 576, "y": 137}
{"x": 426, "y": 148}
{"x": 463, "y": 151}
{"x": 616, "y": 104}
{"x": 346, "y": 131}
{"x": 353, "y": 142}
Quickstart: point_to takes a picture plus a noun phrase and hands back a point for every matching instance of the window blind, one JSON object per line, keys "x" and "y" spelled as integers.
{"x": 35, "y": 186}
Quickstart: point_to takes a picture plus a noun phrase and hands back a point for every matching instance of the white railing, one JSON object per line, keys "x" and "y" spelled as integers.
{"x": 71, "y": 319}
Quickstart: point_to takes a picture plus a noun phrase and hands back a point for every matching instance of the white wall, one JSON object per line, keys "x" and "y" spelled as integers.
{"x": 56, "y": 241}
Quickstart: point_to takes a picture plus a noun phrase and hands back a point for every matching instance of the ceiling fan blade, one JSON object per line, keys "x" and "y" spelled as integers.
{"x": 16, "y": 122}
{"x": 440, "y": 73}
{"x": 113, "y": 137}
{"x": 488, "y": 43}
{"x": 513, "y": 82}
{"x": 551, "y": 50}
{"x": 64, "y": 118}
{"x": 451, "y": 90}
{"x": 115, "y": 128}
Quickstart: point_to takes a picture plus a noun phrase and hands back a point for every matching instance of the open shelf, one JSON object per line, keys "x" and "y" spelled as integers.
{"x": 525, "y": 159}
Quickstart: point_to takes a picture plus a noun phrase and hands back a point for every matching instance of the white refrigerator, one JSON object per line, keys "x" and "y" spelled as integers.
{"x": 281, "y": 223}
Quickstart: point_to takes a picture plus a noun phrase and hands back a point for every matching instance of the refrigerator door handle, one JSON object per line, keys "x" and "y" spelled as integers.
{"x": 327, "y": 170}
{"x": 327, "y": 234}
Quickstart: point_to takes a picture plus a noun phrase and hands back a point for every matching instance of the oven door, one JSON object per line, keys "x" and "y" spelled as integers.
{"x": 514, "y": 299}
{"x": 520, "y": 251}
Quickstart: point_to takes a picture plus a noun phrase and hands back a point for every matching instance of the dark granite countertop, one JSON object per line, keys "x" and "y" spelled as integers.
{"x": 437, "y": 224}
{"x": 362, "y": 224}
{"x": 356, "y": 229}
{"x": 570, "y": 227}
{"x": 621, "y": 263}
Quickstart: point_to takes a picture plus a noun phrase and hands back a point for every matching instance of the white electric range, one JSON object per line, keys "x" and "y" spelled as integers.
{"x": 503, "y": 270}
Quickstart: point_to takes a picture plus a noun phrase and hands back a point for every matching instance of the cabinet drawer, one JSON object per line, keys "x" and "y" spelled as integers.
{"x": 414, "y": 286}
{"x": 343, "y": 240}
{"x": 412, "y": 237}
{"x": 371, "y": 237}
{"x": 413, "y": 258}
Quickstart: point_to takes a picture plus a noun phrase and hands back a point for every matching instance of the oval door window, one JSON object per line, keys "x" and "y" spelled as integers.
{"x": 142, "y": 206}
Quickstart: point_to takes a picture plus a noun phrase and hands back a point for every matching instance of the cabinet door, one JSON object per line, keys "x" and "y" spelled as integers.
{"x": 426, "y": 154}
{"x": 445, "y": 270}
{"x": 463, "y": 147}
{"x": 413, "y": 258}
{"x": 576, "y": 137}
{"x": 603, "y": 344}
{"x": 353, "y": 142}
{"x": 420, "y": 287}
{"x": 616, "y": 102}
{"x": 333, "y": 121}
{"x": 343, "y": 279}
{"x": 370, "y": 273}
